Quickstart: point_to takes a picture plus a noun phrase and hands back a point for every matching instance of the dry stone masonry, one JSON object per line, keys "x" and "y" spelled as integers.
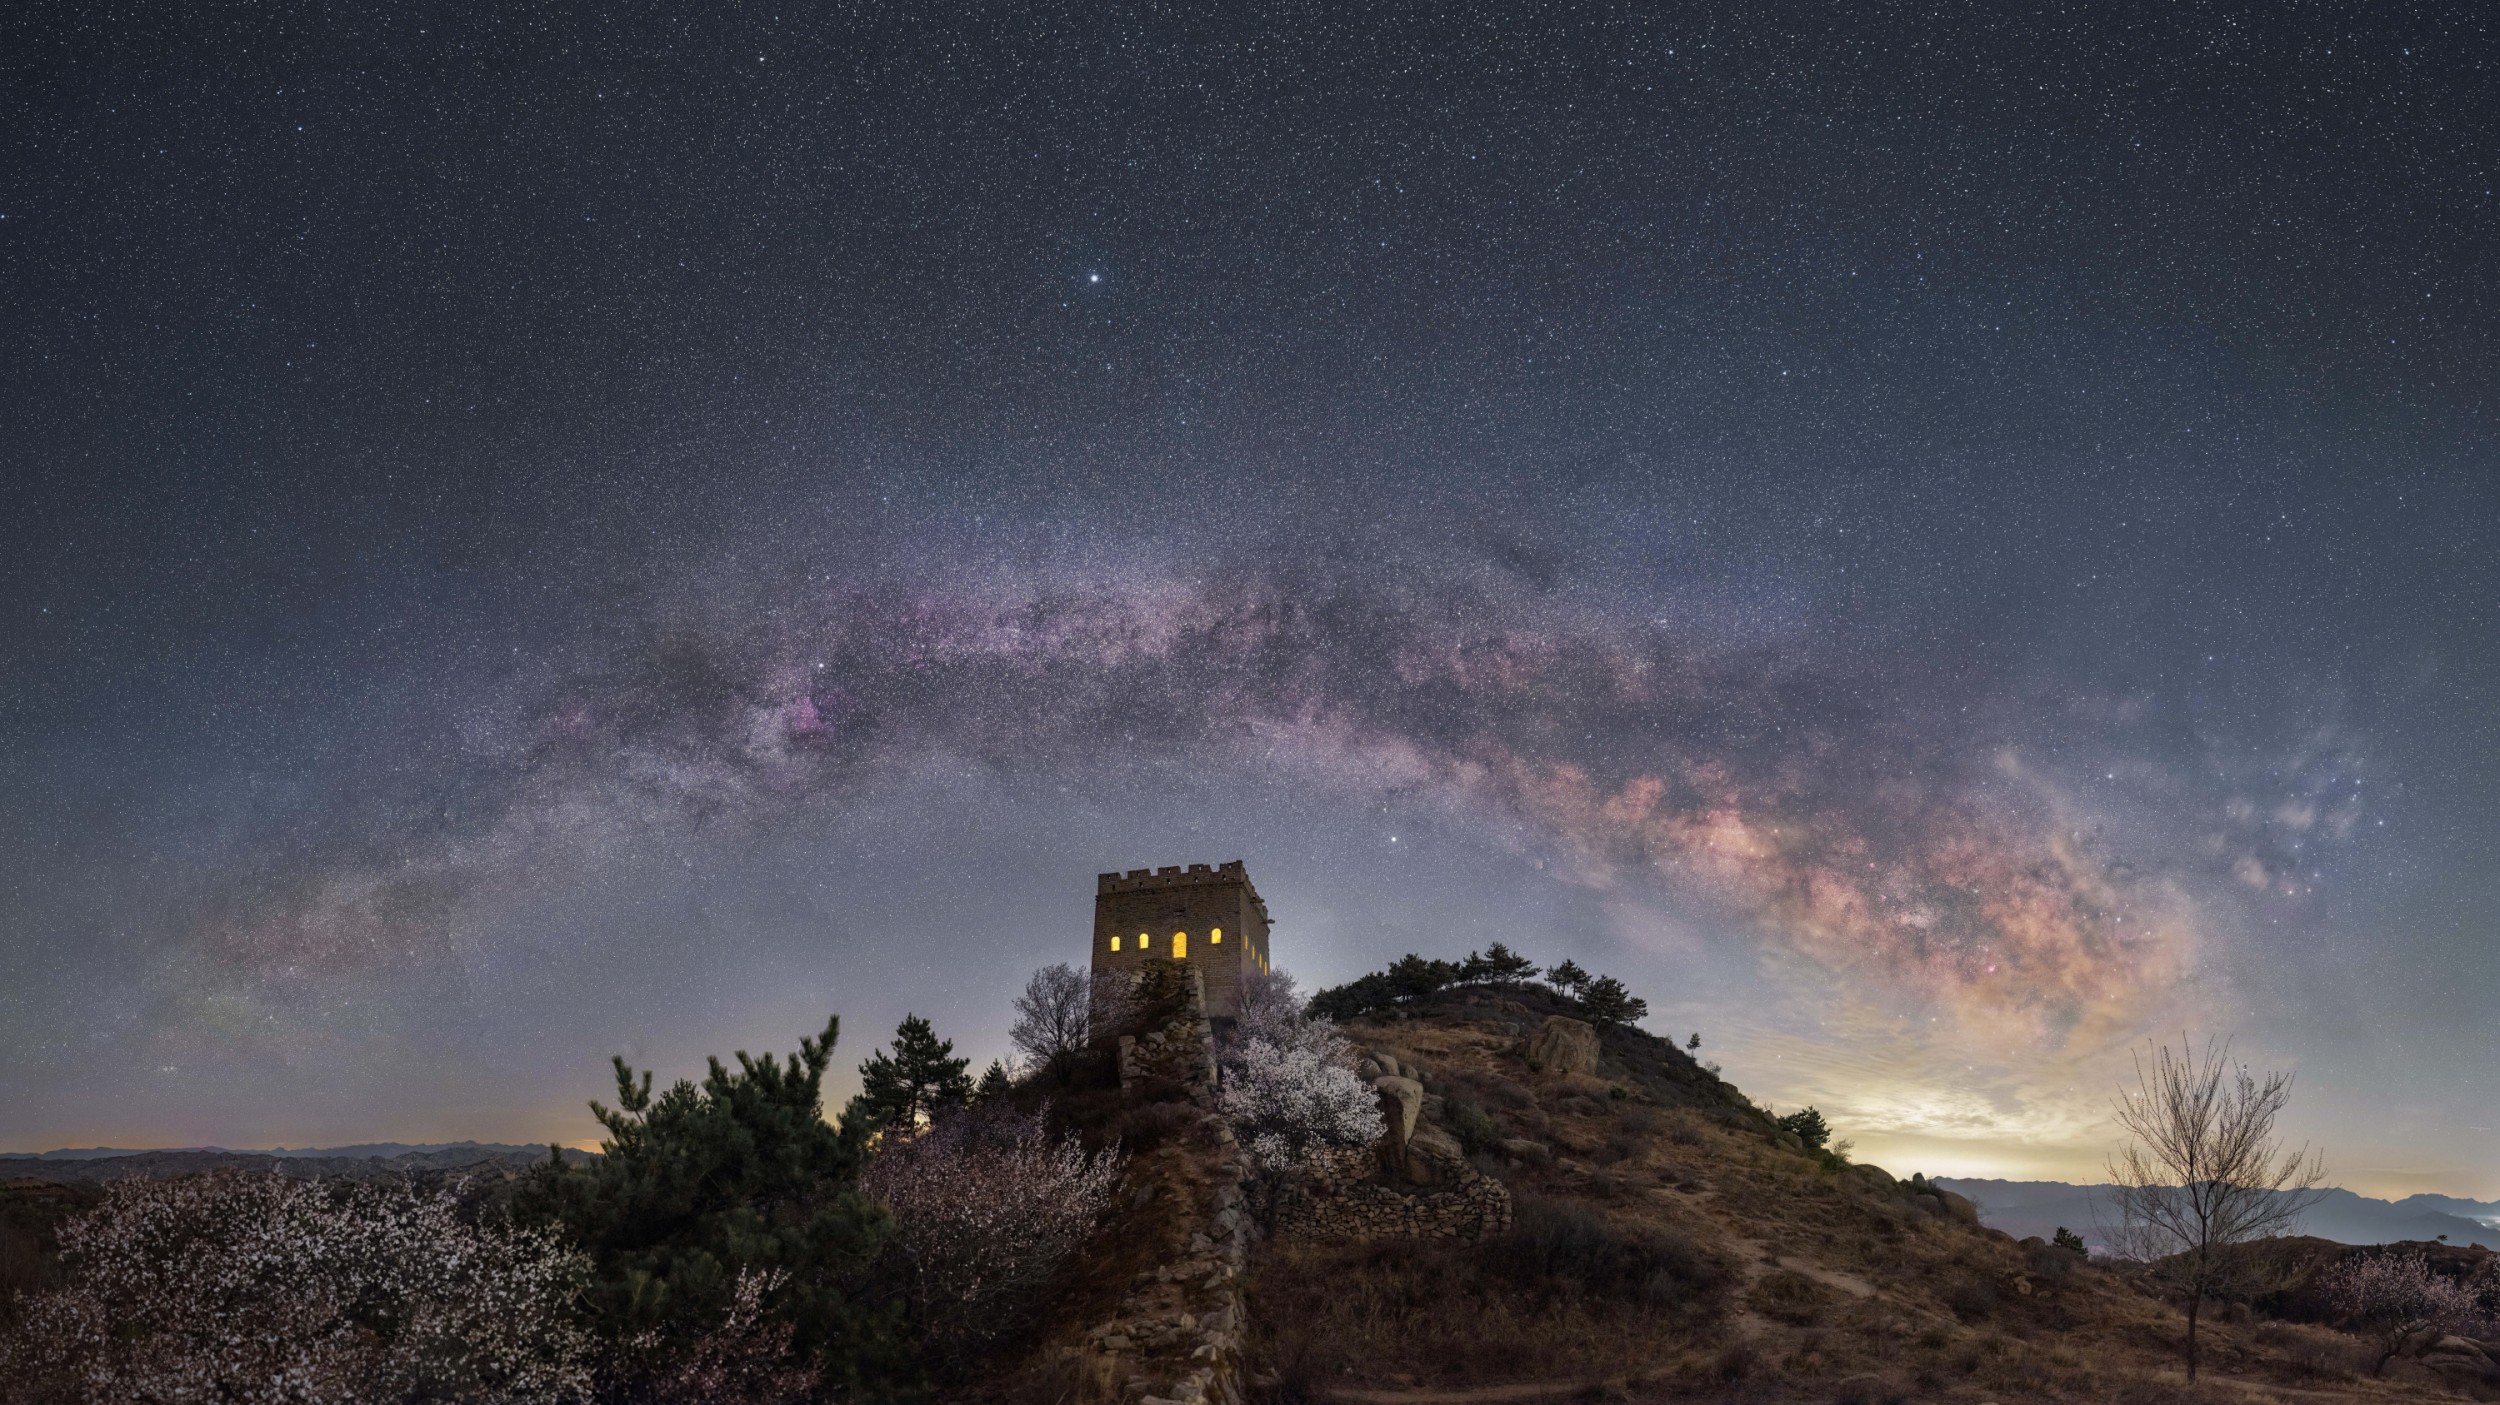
{"x": 1177, "y": 1334}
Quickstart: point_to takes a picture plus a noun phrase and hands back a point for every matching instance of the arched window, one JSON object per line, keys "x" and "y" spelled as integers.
{"x": 1215, "y": 936}
{"x": 1115, "y": 943}
{"x": 1142, "y": 942}
{"x": 1180, "y": 945}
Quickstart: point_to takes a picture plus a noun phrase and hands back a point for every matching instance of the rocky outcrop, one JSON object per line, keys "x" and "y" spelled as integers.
{"x": 1563, "y": 1045}
{"x": 1414, "y": 1183}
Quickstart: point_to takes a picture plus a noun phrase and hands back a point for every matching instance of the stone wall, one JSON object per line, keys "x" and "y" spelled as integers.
{"x": 1342, "y": 1195}
{"x": 1176, "y": 1337}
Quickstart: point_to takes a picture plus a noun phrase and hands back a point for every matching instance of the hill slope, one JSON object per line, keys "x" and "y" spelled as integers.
{"x": 1671, "y": 1244}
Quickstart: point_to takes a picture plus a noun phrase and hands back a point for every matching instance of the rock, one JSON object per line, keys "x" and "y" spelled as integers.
{"x": 1369, "y": 1069}
{"x": 1873, "y": 1175}
{"x": 1401, "y": 1099}
{"x": 1431, "y": 1141}
{"x": 1960, "y": 1207}
{"x": 1522, "y": 1149}
{"x": 1564, "y": 1045}
{"x": 1929, "y": 1203}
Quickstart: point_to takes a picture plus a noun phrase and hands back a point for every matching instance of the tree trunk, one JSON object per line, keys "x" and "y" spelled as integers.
{"x": 2196, "y": 1301}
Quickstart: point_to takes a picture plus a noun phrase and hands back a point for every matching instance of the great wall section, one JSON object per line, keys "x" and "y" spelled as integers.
{"x": 1177, "y": 1335}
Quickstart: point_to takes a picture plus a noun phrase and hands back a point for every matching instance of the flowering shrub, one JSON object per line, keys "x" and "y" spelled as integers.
{"x": 2400, "y": 1293}
{"x": 748, "y": 1358}
{"x": 2403, "y": 1287}
{"x": 237, "y": 1288}
{"x": 987, "y": 1205}
{"x": 1289, "y": 1081}
{"x": 1287, "y": 1101}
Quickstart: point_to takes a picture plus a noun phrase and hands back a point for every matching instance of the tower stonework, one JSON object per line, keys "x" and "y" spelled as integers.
{"x": 1208, "y": 916}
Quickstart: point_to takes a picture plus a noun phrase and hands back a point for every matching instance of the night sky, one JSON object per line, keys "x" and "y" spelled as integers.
{"x": 1936, "y": 542}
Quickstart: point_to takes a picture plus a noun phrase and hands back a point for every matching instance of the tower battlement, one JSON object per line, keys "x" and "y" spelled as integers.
{"x": 1207, "y": 915}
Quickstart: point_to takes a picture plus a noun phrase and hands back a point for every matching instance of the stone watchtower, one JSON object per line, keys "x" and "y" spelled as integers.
{"x": 1208, "y": 917}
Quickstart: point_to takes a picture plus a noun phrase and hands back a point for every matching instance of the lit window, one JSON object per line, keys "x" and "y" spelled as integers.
{"x": 1180, "y": 945}
{"x": 1142, "y": 942}
{"x": 1115, "y": 943}
{"x": 1215, "y": 936}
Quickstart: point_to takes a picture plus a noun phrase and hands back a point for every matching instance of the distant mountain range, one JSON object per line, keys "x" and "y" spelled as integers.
{"x": 2023, "y": 1208}
{"x": 367, "y": 1161}
{"x": 360, "y": 1151}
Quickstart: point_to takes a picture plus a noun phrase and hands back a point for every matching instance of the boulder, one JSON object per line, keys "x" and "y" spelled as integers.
{"x": 1564, "y": 1045}
{"x": 1960, "y": 1207}
{"x": 1522, "y": 1149}
{"x": 1401, "y": 1099}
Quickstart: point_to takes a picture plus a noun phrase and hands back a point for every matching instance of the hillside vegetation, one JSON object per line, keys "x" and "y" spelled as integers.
{"x": 1673, "y": 1244}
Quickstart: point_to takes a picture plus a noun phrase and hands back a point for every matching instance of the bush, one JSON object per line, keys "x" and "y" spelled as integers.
{"x": 1785, "y": 1295}
{"x": 987, "y": 1205}
{"x": 1285, "y": 1102}
{"x": 1566, "y": 1250}
{"x": 258, "y": 1288}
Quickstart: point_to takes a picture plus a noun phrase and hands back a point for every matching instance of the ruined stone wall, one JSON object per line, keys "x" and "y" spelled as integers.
{"x": 1176, "y": 1337}
{"x": 1342, "y": 1195}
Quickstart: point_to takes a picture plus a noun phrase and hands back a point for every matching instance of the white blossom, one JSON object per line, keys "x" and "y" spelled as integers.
{"x": 253, "y": 1289}
{"x": 1284, "y": 1102}
{"x": 987, "y": 1206}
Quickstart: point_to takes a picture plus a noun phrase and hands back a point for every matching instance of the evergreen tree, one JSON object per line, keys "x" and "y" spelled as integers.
{"x": 1413, "y": 978}
{"x": 702, "y": 1184}
{"x": 1607, "y": 1002}
{"x": 1694, "y": 1042}
{"x": 1809, "y": 1126}
{"x": 1503, "y": 964}
{"x": 993, "y": 1083}
{"x": 1567, "y": 977}
{"x": 919, "y": 1079}
{"x": 2070, "y": 1241}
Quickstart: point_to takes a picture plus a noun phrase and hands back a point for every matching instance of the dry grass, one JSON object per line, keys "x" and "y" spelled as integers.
{"x": 1837, "y": 1290}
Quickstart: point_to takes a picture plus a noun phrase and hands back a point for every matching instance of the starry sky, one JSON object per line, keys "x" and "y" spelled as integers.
{"x": 1937, "y": 541}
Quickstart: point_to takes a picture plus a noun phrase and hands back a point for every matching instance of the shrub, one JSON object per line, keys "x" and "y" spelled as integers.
{"x": 2069, "y": 1241}
{"x": 258, "y": 1288}
{"x": 1785, "y": 1295}
{"x": 1567, "y": 1250}
{"x": 987, "y": 1205}
{"x": 1473, "y": 1126}
{"x": 2398, "y": 1292}
{"x": 1285, "y": 1102}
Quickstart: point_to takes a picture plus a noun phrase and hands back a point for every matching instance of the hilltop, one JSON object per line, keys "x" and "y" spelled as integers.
{"x": 1672, "y": 1243}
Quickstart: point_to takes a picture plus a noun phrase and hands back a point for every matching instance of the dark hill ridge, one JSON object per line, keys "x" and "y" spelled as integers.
{"x": 377, "y": 1161}
{"x": 2023, "y": 1208}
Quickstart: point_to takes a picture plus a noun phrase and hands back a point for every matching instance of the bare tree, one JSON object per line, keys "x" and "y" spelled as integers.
{"x": 2203, "y": 1172}
{"x": 1052, "y": 1021}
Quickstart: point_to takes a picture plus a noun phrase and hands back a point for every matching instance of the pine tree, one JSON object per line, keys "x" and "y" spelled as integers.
{"x": 920, "y": 1078}
{"x": 1809, "y": 1126}
{"x": 1607, "y": 1002}
{"x": 993, "y": 1084}
{"x": 1567, "y": 977}
{"x": 1500, "y": 963}
{"x": 704, "y": 1184}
